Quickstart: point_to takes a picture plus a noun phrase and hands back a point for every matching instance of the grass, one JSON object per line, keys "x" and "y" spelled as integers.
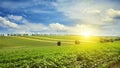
{"x": 42, "y": 52}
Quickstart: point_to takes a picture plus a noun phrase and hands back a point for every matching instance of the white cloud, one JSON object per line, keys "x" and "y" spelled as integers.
{"x": 88, "y": 11}
{"x": 76, "y": 29}
{"x": 25, "y": 27}
{"x": 107, "y": 19}
{"x": 93, "y": 11}
{"x": 81, "y": 28}
{"x": 33, "y": 26}
{"x": 57, "y": 27}
{"x": 6, "y": 23}
{"x": 113, "y": 13}
{"x": 81, "y": 11}
{"x": 17, "y": 18}
{"x": 110, "y": 15}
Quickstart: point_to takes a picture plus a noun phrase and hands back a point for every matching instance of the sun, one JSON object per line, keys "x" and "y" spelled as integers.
{"x": 86, "y": 33}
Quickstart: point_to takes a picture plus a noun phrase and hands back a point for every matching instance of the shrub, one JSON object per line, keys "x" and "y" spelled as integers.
{"x": 77, "y": 42}
{"x": 59, "y": 43}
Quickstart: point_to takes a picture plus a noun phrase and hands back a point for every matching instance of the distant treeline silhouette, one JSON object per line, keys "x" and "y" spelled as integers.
{"x": 25, "y": 34}
{"x": 104, "y": 40}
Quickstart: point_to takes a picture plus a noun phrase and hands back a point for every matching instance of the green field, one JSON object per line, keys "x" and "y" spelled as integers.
{"x": 43, "y": 52}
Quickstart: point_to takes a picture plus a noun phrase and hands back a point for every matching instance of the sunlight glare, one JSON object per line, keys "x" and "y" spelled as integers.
{"x": 86, "y": 34}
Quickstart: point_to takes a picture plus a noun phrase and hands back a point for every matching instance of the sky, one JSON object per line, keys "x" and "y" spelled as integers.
{"x": 99, "y": 17}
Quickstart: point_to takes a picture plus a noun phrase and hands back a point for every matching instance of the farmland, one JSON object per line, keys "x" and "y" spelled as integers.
{"x": 42, "y": 52}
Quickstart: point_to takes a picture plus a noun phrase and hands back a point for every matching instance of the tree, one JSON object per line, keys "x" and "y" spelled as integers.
{"x": 59, "y": 43}
{"x": 77, "y": 42}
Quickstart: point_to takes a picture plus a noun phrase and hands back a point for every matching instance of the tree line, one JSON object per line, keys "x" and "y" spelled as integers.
{"x": 25, "y": 34}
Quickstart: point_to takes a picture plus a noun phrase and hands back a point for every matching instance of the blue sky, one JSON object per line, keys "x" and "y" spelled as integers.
{"x": 100, "y": 17}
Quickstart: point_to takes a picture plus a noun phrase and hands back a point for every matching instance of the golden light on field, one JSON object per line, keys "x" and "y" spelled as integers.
{"x": 86, "y": 33}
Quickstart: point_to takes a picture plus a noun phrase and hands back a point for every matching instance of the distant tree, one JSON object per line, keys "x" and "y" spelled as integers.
{"x": 102, "y": 40}
{"x": 2, "y": 35}
{"x": 59, "y": 43}
{"x": 77, "y": 42}
{"x": 7, "y": 34}
{"x": 33, "y": 34}
{"x": 117, "y": 39}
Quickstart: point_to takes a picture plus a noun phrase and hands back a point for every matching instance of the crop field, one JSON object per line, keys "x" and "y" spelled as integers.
{"x": 43, "y": 52}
